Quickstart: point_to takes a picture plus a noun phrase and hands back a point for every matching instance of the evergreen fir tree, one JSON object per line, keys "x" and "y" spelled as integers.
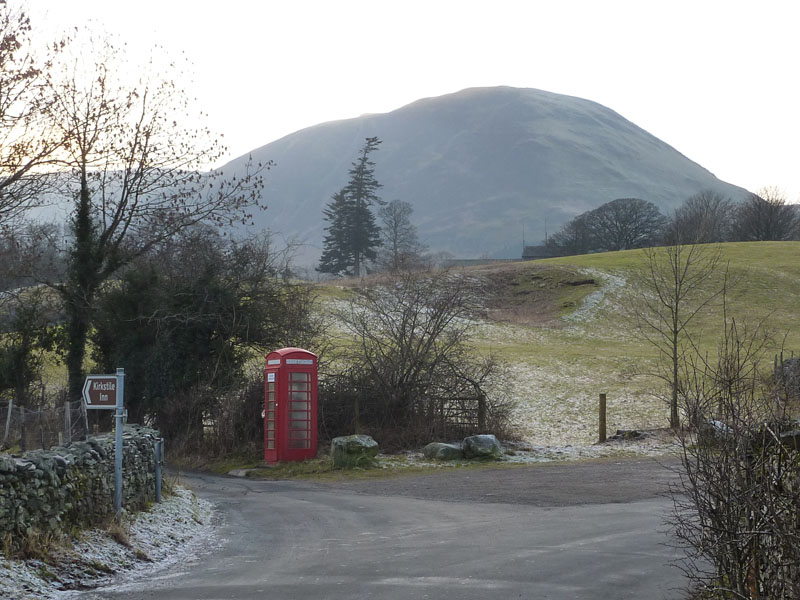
{"x": 353, "y": 234}
{"x": 337, "y": 257}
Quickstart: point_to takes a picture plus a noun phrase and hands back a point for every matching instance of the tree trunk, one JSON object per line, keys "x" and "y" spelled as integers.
{"x": 79, "y": 291}
{"x": 77, "y": 334}
{"x": 674, "y": 418}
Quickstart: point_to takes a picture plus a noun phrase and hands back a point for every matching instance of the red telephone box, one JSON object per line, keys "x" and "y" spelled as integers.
{"x": 290, "y": 405}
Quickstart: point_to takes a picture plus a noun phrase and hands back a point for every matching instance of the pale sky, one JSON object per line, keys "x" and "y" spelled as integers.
{"x": 717, "y": 80}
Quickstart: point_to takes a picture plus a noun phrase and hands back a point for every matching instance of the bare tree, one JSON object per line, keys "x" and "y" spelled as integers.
{"x": 410, "y": 352}
{"x": 30, "y": 252}
{"x": 401, "y": 248}
{"x": 703, "y": 218}
{"x": 29, "y": 140}
{"x": 625, "y": 223}
{"x": 673, "y": 289}
{"x": 135, "y": 173}
{"x": 575, "y": 237}
{"x": 737, "y": 504}
{"x": 766, "y": 216}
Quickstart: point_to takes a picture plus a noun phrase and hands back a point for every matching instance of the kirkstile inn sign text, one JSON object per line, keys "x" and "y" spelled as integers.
{"x": 100, "y": 391}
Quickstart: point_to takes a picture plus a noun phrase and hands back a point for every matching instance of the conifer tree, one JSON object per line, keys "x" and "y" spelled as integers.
{"x": 336, "y": 255}
{"x": 353, "y": 234}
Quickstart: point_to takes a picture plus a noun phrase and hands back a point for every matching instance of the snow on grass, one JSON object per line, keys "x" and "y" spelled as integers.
{"x": 610, "y": 286}
{"x": 558, "y": 406}
{"x": 167, "y": 533}
{"x": 556, "y": 376}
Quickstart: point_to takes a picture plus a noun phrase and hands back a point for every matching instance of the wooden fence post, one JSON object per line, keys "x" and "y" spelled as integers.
{"x": 8, "y": 419}
{"x": 43, "y": 443}
{"x": 23, "y": 438}
{"x": 85, "y": 414}
{"x": 602, "y": 419}
{"x": 67, "y": 423}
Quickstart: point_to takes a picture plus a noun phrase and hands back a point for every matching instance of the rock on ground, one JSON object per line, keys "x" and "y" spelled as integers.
{"x": 353, "y": 451}
{"x": 483, "y": 446}
{"x": 442, "y": 451}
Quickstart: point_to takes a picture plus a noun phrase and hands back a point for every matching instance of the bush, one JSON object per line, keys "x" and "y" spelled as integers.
{"x": 409, "y": 377}
{"x": 737, "y": 506}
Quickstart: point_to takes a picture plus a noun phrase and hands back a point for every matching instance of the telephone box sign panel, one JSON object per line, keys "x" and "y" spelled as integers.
{"x": 290, "y": 405}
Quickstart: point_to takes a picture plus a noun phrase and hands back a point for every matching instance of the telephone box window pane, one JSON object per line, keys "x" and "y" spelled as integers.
{"x": 270, "y": 416}
{"x": 298, "y": 434}
{"x": 299, "y": 385}
{"x": 271, "y": 387}
{"x": 270, "y": 435}
{"x": 271, "y": 405}
{"x": 299, "y": 405}
{"x": 271, "y": 445}
{"x": 299, "y": 376}
{"x": 299, "y": 395}
{"x": 299, "y": 444}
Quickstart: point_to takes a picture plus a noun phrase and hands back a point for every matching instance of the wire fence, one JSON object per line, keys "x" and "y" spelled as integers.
{"x": 42, "y": 428}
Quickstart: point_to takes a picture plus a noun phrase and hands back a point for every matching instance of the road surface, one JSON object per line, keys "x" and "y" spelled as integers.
{"x": 591, "y": 530}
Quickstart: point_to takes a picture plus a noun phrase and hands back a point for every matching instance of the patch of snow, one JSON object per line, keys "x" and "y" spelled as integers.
{"x": 168, "y": 533}
{"x": 591, "y": 303}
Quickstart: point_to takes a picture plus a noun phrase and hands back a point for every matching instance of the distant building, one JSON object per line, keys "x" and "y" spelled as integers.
{"x": 535, "y": 252}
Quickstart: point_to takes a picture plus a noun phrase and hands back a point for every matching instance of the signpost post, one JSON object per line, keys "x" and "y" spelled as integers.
{"x": 106, "y": 392}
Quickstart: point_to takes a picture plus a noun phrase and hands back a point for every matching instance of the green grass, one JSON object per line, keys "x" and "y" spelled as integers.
{"x": 321, "y": 469}
{"x": 764, "y": 282}
{"x": 564, "y": 349}
{"x": 561, "y": 365}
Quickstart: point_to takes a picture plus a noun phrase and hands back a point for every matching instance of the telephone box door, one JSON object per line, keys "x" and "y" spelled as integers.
{"x": 290, "y": 405}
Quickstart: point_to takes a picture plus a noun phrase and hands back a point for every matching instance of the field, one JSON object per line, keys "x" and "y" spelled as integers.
{"x": 561, "y": 327}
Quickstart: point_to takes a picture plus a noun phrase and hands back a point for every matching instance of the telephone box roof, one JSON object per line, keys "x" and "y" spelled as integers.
{"x": 285, "y": 351}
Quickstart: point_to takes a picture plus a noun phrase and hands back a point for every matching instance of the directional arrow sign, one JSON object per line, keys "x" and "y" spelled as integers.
{"x": 100, "y": 391}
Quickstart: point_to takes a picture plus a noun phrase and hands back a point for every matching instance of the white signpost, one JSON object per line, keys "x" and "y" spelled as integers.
{"x": 106, "y": 392}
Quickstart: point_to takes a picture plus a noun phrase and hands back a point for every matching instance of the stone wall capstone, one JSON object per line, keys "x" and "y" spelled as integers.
{"x": 73, "y": 485}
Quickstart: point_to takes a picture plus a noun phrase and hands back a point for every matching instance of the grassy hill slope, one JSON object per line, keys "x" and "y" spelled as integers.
{"x": 561, "y": 326}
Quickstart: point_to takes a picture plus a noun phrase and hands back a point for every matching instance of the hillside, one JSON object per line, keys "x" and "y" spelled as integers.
{"x": 560, "y": 326}
{"x": 478, "y": 166}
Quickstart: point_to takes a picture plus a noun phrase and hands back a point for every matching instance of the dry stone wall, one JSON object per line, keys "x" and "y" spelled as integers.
{"x": 73, "y": 485}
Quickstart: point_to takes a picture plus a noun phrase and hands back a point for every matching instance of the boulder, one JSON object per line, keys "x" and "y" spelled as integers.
{"x": 442, "y": 451}
{"x": 483, "y": 446}
{"x": 352, "y": 451}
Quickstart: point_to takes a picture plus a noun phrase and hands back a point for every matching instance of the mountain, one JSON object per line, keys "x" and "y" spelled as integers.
{"x": 478, "y": 166}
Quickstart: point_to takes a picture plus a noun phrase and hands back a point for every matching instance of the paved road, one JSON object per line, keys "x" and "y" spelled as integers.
{"x": 581, "y": 531}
